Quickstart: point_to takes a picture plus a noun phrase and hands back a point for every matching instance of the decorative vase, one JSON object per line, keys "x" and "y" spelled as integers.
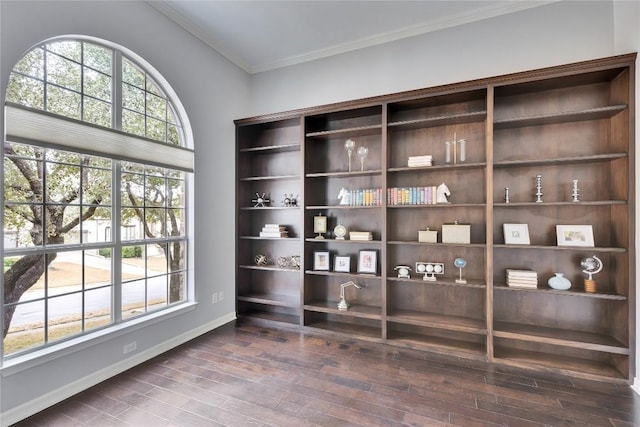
{"x": 559, "y": 282}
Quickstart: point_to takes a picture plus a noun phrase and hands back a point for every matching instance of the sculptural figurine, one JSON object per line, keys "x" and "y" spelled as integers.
{"x": 343, "y": 196}
{"x": 442, "y": 192}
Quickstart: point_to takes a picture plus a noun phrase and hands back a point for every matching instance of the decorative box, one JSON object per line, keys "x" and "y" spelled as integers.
{"x": 456, "y": 233}
{"x": 427, "y": 236}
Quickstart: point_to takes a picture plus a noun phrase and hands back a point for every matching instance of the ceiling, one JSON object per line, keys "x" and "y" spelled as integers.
{"x": 262, "y": 35}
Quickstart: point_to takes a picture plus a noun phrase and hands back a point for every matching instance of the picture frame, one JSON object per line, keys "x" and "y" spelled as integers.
{"x": 321, "y": 260}
{"x": 368, "y": 262}
{"x": 575, "y": 235}
{"x": 342, "y": 263}
{"x": 516, "y": 234}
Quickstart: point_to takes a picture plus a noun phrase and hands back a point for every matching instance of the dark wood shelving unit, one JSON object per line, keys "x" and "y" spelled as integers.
{"x": 566, "y": 123}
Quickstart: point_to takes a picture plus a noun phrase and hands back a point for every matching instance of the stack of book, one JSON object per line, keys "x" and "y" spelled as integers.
{"x": 360, "y": 235}
{"x": 522, "y": 278}
{"x": 419, "y": 161}
{"x": 274, "y": 230}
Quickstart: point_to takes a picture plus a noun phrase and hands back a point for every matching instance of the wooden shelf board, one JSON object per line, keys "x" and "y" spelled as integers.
{"x": 560, "y": 337}
{"x": 438, "y": 344}
{"x": 269, "y": 268}
{"x": 420, "y": 281}
{"x": 271, "y": 178}
{"x": 475, "y": 116}
{"x": 267, "y": 149}
{"x": 439, "y": 321}
{"x": 439, "y": 205}
{"x": 271, "y": 299}
{"x": 541, "y": 205}
{"x": 416, "y": 243}
{"x": 315, "y": 207}
{"x": 268, "y": 208}
{"x": 440, "y": 168}
{"x": 562, "y": 248}
{"x": 269, "y": 238}
{"x": 351, "y": 330}
{"x": 559, "y": 364}
{"x": 345, "y": 241}
{"x": 344, "y": 174}
{"x": 336, "y": 274}
{"x": 559, "y": 160}
{"x": 265, "y": 316}
{"x": 355, "y": 310}
{"x": 354, "y": 131}
{"x": 562, "y": 117}
{"x": 571, "y": 292}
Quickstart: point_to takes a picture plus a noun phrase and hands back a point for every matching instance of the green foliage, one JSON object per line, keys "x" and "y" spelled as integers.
{"x": 9, "y": 261}
{"x": 127, "y": 252}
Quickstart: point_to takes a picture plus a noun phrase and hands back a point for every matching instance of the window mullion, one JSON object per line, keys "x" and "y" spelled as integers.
{"x": 116, "y": 81}
{"x": 116, "y": 236}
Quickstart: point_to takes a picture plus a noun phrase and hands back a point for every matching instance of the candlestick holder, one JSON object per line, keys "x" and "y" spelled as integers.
{"x": 349, "y": 145}
{"x": 506, "y": 195}
{"x": 539, "y": 192}
{"x": 575, "y": 192}
{"x": 362, "y": 153}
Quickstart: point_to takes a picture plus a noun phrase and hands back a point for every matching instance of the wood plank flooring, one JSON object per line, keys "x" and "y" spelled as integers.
{"x": 249, "y": 375}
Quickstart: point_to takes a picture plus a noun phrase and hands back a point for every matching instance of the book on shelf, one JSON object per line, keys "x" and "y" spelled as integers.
{"x": 418, "y": 161}
{"x": 274, "y": 230}
{"x": 360, "y": 235}
{"x": 522, "y": 278}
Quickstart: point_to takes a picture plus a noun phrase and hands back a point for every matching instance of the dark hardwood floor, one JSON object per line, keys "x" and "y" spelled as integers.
{"x": 247, "y": 375}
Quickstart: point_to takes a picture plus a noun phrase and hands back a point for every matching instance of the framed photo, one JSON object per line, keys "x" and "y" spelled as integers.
{"x": 575, "y": 235}
{"x": 342, "y": 263}
{"x": 319, "y": 224}
{"x": 368, "y": 262}
{"x": 516, "y": 234}
{"x": 321, "y": 260}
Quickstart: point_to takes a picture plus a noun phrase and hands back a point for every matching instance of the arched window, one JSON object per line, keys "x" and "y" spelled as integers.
{"x": 96, "y": 170}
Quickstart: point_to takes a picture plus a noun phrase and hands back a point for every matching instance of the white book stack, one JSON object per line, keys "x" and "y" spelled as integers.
{"x": 274, "y": 230}
{"x": 522, "y": 279}
{"x": 420, "y": 161}
{"x": 360, "y": 235}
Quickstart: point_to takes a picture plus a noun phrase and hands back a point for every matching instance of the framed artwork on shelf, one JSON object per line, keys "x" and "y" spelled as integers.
{"x": 321, "y": 260}
{"x": 575, "y": 235}
{"x": 368, "y": 262}
{"x": 342, "y": 264}
{"x": 516, "y": 234}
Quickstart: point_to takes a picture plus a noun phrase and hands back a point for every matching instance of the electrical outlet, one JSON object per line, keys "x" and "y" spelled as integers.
{"x": 214, "y": 298}
{"x": 128, "y": 348}
{"x": 220, "y": 296}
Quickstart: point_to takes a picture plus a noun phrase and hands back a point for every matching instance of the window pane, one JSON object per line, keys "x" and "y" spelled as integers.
{"x": 64, "y": 316}
{"x": 175, "y": 224}
{"x": 155, "y": 222}
{"x": 63, "y": 183}
{"x": 156, "y": 259}
{"x": 60, "y": 156}
{"x": 23, "y": 223}
{"x": 96, "y": 186}
{"x": 133, "y": 298}
{"x": 98, "y": 57}
{"x": 25, "y": 91}
{"x": 97, "y": 85}
{"x": 25, "y": 270}
{"x": 131, "y": 74}
{"x": 156, "y": 129}
{"x": 177, "y": 287}
{"x": 97, "y": 112}
{"x": 97, "y": 273}
{"x": 156, "y": 106}
{"x": 32, "y": 64}
{"x": 132, "y": 190}
{"x": 68, "y": 49}
{"x": 63, "y": 72}
{"x": 131, "y": 224}
{"x": 133, "y": 98}
{"x": 97, "y": 308}
{"x": 172, "y": 135}
{"x": 26, "y": 330}
{"x": 97, "y": 228}
{"x": 133, "y": 122}
{"x": 175, "y": 197}
{"x": 70, "y": 218}
{"x": 22, "y": 180}
{"x": 153, "y": 87}
{"x": 63, "y": 102}
{"x": 157, "y": 292}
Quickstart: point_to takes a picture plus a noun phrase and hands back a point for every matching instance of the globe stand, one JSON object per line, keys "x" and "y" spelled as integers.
{"x": 590, "y": 286}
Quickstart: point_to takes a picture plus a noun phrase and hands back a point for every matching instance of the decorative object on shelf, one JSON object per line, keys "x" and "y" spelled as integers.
{"x": 368, "y": 262}
{"x": 456, "y": 233}
{"x": 404, "y": 271}
{"x": 260, "y": 201}
{"x": 559, "y": 282}
{"x": 292, "y": 261}
{"x": 527, "y": 279}
{"x": 430, "y": 269}
{"x": 362, "y": 153}
{"x": 282, "y": 262}
{"x": 343, "y": 305}
{"x": 575, "y": 192}
{"x": 411, "y": 195}
{"x": 344, "y": 196}
{"x": 289, "y": 201}
{"x": 320, "y": 226}
{"x": 427, "y": 236}
{"x": 452, "y": 147}
{"x": 460, "y": 263}
{"x": 506, "y": 195}
{"x": 321, "y": 260}
{"x": 539, "y": 192}
{"x": 575, "y": 235}
{"x": 420, "y": 161}
{"x": 274, "y": 231}
{"x": 442, "y": 192}
{"x": 261, "y": 260}
{"x": 349, "y": 145}
{"x": 516, "y": 234}
{"x": 339, "y": 231}
{"x": 591, "y": 265}
{"x": 342, "y": 263}
{"x": 363, "y": 236}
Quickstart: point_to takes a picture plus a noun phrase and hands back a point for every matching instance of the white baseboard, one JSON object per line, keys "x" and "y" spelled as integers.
{"x": 51, "y": 398}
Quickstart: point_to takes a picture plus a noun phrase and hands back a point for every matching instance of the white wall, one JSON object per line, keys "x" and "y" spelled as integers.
{"x": 213, "y": 92}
